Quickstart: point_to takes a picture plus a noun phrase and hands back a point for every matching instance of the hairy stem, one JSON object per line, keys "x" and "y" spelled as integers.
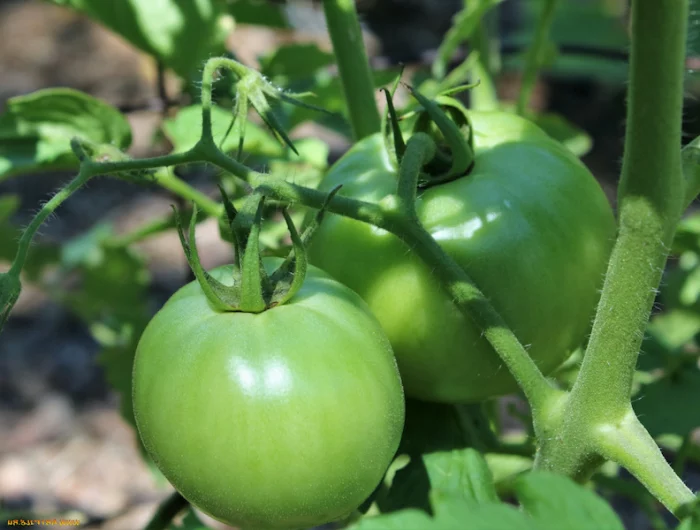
{"x": 355, "y": 74}
{"x": 25, "y": 240}
{"x": 650, "y": 200}
{"x": 535, "y": 53}
{"x": 598, "y": 421}
{"x": 630, "y": 445}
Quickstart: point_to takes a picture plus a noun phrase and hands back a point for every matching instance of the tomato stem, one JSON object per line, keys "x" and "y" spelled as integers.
{"x": 536, "y": 55}
{"x": 598, "y": 421}
{"x": 630, "y": 445}
{"x": 355, "y": 74}
{"x": 419, "y": 151}
{"x": 650, "y": 199}
{"x": 167, "y": 511}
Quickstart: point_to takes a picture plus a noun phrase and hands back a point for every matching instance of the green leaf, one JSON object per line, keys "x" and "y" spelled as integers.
{"x": 185, "y": 128}
{"x": 574, "y": 139}
{"x": 594, "y": 25}
{"x": 652, "y": 403}
{"x": 180, "y": 33}
{"x": 547, "y": 501}
{"x": 462, "y": 473}
{"x": 296, "y": 61}
{"x": 556, "y": 502}
{"x": 257, "y": 12}
{"x": 36, "y": 129}
{"x": 404, "y": 520}
{"x": 328, "y": 94}
{"x": 451, "y": 511}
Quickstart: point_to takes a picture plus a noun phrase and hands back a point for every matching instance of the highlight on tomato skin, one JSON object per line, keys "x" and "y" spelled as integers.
{"x": 529, "y": 224}
{"x": 283, "y": 419}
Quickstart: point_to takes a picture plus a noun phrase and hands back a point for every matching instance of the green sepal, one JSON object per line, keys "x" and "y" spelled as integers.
{"x": 461, "y": 154}
{"x": 289, "y": 277}
{"x": 397, "y": 135}
{"x": 230, "y": 214}
{"x": 253, "y": 276}
{"x": 254, "y": 90}
{"x": 10, "y": 288}
{"x": 222, "y": 297}
{"x": 262, "y": 107}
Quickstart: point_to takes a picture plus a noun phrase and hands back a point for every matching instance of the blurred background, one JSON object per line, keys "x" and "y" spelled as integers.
{"x": 64, "y": 446}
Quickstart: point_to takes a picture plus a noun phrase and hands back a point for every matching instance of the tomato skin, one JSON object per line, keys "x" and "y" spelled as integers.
{"x": 531, "y": 227}
{"x": 284, "y": 419}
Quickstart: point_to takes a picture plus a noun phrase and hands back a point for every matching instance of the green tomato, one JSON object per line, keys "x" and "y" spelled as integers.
{"x": 283, "y": 419}
{"x": 530, "y": 226}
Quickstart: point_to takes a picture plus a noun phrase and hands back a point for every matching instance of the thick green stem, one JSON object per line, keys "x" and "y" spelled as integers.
{"x": 650, "y": 200}
{"x": 598, "y": 421}
{"x": 419, "y": 151}
{"x": 355, "y": 74}
{"x": 484, "y": 96}
{"x": 535, "y": 55}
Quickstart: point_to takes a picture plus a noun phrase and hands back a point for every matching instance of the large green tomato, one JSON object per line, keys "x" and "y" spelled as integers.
{"x": 529, "y": 224}
{"x": 284, "y": 419}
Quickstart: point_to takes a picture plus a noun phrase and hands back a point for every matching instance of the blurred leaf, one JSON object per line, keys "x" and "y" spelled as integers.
{"x": 257, "y": 12}
{"x": 574, "y": 139}
{"x": 185, "y": 128}
{"x": 112, "y": 300}
{"x": 36, "y": 129}
{"x": 556, "y": 502}
{"x": 180, "y": 33}
{"x": 403, "y": 520}
{"x": 505, "y": 466}
{"x": 674, "y": 329}
{"x": 579, "y": 30}
{"x": 690, "y": 516}
{"x": 328, "y": 93}
{"x": 691, "y": 169}
{"x": 463, "y": 25}
{"x": 8, "y": 206}
{"x": 687, "y": 236}
{"x": 652, "y": 403}
{"x": 295, "y": 61}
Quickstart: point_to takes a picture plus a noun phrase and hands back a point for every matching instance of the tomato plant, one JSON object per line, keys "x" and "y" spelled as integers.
{"x": 476, "y": 247}
{"x": 307, "y": 391}
{"x": 529, "y": 224}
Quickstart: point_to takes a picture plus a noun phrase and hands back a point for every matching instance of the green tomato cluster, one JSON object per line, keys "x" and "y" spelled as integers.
{"x": 289, "y": 418}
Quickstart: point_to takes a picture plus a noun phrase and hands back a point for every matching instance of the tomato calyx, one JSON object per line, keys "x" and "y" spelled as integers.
{"x": 253, "y": 289}
{"x": 446, "y": 121}
{"x": 254, "y": 90}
